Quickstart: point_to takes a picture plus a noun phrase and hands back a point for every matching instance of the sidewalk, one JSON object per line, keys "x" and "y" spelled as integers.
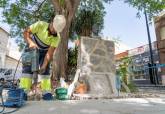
{"x": 110, "y": 106}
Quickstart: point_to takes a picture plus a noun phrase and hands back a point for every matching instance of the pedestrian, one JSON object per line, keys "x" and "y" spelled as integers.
{"x": 45, "y": 37}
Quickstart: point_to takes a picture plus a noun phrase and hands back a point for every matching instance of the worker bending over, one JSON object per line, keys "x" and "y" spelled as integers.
{"x": 44, "y": 36}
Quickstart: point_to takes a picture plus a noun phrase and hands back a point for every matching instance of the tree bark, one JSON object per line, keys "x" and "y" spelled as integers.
{"x": 60, "y": 59}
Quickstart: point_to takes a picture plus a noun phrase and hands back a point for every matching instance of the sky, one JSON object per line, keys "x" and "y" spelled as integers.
{"x": 121, "y": 22}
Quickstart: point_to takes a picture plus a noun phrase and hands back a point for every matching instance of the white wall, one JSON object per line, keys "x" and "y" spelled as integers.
{"x": 4, "y": 37}
{"x": 2, "y": 59}
{"x": 10, "y": 63}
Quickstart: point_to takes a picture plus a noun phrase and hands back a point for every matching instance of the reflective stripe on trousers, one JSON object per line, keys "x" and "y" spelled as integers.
{"x": 45, "y": 83}
{"x": 26, "y": 82}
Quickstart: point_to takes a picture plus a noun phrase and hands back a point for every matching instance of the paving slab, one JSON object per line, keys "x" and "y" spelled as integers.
{"x": 106, "y": 106}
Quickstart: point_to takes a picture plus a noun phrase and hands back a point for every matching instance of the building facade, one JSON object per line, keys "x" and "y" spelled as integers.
{"x": 140, "y": 57}
{"x": 160, "y": 36}
{"x": 8, "y": 57}
{"x": 4, "y": 37}
{"x": 140, "y": 63}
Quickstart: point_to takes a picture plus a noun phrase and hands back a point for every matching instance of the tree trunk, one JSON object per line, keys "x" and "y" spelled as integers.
{"x": 61, "y": 55}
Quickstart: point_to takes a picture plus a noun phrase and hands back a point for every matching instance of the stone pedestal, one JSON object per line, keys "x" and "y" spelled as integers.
{"x": 97, "y": 64}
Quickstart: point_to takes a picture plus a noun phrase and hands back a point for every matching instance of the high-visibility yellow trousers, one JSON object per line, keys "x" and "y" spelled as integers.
{"x": 45, "y": 83}
{"x": 26, "y": 82}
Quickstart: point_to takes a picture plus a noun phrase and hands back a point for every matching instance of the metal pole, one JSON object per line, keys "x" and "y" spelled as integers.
{"x": 150, "y": 47}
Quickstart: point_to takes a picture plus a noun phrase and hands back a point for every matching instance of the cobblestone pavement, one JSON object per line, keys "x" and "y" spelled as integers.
{"x": 106, "y": 106}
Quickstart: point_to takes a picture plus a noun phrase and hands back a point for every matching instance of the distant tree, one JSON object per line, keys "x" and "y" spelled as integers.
{"x": 89, "y": 19}
{"x": 152, "y": 7}
{"x": 124, "y": 72}
{"x": 124, "y": 69}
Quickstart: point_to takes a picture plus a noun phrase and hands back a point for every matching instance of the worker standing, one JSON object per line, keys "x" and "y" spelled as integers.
{"x": 44, "y": 36}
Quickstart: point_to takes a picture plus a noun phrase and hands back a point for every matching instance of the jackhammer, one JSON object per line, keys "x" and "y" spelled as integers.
{"x": 31, "y": 57}
{"x": 11, "y": 96}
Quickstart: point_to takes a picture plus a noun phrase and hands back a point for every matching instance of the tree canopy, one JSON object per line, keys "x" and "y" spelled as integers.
{"x": 21, "y": 13}
{"x": 152, "y": 7}
{"x": 89, "y": 18}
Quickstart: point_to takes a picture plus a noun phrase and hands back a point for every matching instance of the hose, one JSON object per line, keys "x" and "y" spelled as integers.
{"x": 18, "y": 64}
{"x": 16, "y": 69}
{"x": 1, "y": 90}
{"x": 3, "y": 107}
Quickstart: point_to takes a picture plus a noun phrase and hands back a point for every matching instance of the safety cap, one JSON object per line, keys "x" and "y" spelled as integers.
{"x": 59, "y": 23}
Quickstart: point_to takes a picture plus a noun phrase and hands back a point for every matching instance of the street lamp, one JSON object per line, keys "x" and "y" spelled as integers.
{"x": 151, "y": 53}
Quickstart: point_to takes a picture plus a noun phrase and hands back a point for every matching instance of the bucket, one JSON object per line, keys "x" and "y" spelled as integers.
{"x": 61, "y": 93}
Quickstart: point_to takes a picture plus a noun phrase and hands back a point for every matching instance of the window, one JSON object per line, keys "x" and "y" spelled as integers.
{"x": 146, "y": 59}
{"x": 137, "y": 61}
